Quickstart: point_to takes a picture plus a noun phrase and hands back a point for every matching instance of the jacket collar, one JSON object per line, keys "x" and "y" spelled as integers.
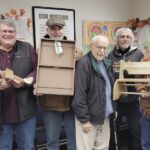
{"x": 117, "y": 52}
{"x": 106, "y": 62}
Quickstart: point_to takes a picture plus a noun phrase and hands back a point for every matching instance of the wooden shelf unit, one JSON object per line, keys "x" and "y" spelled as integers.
{"x": 55, "y": 73}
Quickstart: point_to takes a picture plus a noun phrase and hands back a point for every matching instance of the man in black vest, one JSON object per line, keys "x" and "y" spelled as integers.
{"x": 18, "y": 104}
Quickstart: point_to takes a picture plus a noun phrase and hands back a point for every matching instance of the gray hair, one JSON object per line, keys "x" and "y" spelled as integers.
{"x": 100, "y": 38}
{"x": 126, "y": 30}
{"x": 8, "y": 22}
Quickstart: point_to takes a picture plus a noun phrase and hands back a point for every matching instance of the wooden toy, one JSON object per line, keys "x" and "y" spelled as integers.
{"x": 138, "y": 69}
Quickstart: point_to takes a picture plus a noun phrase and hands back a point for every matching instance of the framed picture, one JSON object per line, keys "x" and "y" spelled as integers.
{"x": 41, "y": 14}
{"x": 108, "y": 28}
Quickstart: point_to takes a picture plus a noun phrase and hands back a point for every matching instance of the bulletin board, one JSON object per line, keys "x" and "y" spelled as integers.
{"x": 92, "y": 28}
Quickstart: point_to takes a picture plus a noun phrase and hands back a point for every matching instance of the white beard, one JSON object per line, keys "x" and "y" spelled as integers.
{"x": 124, "y": 46}
{"x": 57, "y": 37}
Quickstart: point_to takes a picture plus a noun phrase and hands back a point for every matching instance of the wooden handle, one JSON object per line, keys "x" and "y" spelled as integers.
{"x": 132, "y": 93}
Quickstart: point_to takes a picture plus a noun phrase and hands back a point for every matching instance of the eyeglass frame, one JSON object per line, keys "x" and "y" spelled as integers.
{"x": 100, "y": 47}
{"x": 9, "y": 31}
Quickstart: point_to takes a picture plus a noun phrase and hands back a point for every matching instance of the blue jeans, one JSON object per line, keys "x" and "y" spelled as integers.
{"x": 53, "y": 122}
{"x": 145, "y": 133}
{"x": 24, "y": 133}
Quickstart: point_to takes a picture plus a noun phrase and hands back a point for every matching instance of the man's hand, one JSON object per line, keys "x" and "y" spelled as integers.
{"x": 17, "y": 83}
{"x": 34, "y": 92}
{"x": 145, "y": 93}
{"x": 78, "y": 54}
{"x": 4, "y": 84}
{"x": 86, "y": 127}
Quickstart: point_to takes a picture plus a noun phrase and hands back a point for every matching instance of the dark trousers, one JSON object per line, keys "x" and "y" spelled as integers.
{"x": 131, "y": 111}
{"x": 113, "y": 143}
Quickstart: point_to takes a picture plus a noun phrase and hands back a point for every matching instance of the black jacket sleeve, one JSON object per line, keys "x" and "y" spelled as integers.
{"x": 79, "y": 104}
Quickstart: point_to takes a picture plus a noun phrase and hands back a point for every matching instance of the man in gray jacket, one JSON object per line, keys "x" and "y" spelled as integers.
{"x": 127, "y": 106}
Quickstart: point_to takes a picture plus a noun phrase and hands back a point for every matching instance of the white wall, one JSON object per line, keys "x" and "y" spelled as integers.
{"x": 99, "y": 10}
{"x": 141, "y": 9}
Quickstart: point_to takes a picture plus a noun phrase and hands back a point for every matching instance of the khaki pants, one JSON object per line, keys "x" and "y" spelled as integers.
{"x": 96, "y": 139}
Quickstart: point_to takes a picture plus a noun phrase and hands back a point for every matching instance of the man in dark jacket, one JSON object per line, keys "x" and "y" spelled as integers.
{"x": 18, "y": 104}
{"x": 127, "y": 106}
{"x": 92, "y": 101}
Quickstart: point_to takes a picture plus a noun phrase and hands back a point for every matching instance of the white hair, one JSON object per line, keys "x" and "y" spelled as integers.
{"x": 8, "y": 22}
{"x": 129, "y": 32}
{"x": 98, "y": 38}
{"x": 126, "y": 30}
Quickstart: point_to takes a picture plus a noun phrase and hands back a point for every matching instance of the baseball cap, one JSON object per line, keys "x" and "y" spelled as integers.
{"x": 55, "y": 21}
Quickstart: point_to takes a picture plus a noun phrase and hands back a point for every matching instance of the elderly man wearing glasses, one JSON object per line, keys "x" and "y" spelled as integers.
{"x": 92, "y": 101}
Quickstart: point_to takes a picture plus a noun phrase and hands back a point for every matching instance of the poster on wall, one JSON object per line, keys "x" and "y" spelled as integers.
{"x": 92, "y": 28}
{"x": 143, "y": 41}
{"x": 141, "y": 30}
{"x": 22, "y": 22}
{"x": 42, "y": 14}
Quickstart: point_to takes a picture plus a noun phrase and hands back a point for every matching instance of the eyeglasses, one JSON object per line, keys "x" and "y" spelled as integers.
{"x": 100, "y": 47}
{"x": 9, "y": 31}
{"x": 125, "y": 37}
